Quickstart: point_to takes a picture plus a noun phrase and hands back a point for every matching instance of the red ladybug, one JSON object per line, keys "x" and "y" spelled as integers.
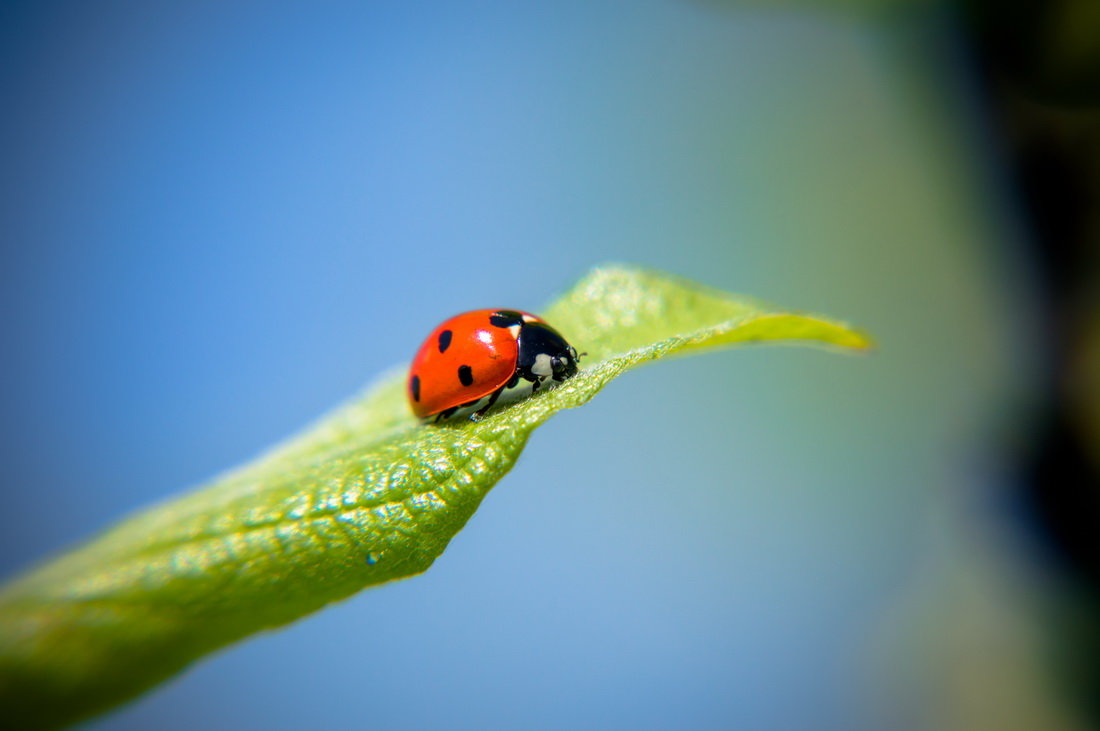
{"x": 480, "y": 358}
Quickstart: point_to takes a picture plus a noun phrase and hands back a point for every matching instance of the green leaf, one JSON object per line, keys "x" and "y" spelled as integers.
{"x": 367, "y": 495}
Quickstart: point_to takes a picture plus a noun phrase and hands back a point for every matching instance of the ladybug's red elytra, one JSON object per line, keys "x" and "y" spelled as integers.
{"x": 484, "y": 357}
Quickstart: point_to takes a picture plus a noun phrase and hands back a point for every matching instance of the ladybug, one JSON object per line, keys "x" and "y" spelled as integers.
{"x": 477, "y": 359}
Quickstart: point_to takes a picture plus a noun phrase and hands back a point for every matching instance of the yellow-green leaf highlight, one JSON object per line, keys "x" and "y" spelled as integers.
{"x": 365, "y": 496}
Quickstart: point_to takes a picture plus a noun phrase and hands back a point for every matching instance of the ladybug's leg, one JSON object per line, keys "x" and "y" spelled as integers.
{"x": 476, "y": 416}
{"x": 525, "y": 373}
{"x": 447, "y": 414}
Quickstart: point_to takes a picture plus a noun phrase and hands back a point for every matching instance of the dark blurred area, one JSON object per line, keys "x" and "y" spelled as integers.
{"x": 1039, "y": 66}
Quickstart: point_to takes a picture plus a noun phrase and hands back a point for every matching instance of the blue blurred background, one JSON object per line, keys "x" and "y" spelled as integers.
{"x": 221, "y": 219}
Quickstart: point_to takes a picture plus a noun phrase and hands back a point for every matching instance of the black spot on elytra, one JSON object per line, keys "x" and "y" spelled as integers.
{"x": 445, "y": 340}
{"x": 414, "y": 386}
{"x": 466, "y": 375}
{"x": 505, "y": 318}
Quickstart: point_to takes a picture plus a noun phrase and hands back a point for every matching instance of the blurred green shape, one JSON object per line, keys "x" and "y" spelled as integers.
{"x": 366, "y": 496}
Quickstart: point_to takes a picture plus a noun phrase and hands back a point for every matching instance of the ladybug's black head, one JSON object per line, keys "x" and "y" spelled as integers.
{"x": 544, "y": 353}
{"x": 565, "y": 364}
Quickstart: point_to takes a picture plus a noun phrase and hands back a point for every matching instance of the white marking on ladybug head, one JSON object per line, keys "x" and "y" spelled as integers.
{"x": 543, "y": 366}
